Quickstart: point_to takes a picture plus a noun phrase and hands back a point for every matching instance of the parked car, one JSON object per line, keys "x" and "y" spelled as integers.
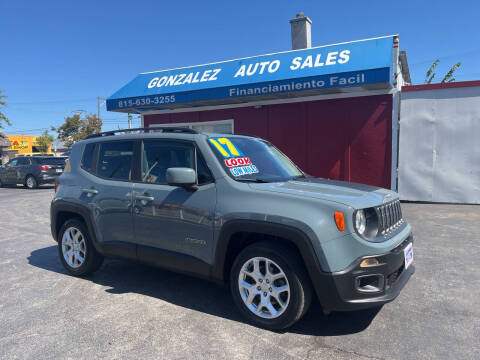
{"x": 32, "y": 171}
{"x": 236, "y": 210}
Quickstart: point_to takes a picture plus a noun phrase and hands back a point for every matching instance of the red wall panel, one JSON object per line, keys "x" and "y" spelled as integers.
{"x": 345, "y": 139}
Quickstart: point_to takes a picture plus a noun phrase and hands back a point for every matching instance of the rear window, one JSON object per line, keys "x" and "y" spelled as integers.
{"x": 115, "y": 160}
{"x": 87, "y": 158}
{"x": 50, "y": 161}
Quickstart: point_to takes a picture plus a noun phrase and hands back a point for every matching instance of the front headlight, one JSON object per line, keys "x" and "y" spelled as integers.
{"x": 365, "y": 222}
{"x": 360, "y": 221}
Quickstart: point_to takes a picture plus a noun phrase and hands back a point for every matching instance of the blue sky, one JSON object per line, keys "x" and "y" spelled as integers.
{"x": 58, "y": 56}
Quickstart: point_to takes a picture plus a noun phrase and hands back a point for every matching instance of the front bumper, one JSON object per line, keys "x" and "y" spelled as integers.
{"x": 358, "y": 287}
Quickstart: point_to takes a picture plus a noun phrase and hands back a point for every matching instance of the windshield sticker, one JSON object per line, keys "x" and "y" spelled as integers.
{"x": 225, "y": 147}
{"x": 238, "y": 161}
{"x": 244, "y": 170}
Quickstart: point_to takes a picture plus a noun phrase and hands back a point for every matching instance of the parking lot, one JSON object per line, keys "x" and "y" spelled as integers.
{"x": 128, "y": 310}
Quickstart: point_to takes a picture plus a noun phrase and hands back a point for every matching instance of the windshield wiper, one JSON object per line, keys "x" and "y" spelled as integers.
{"x": 303, "y": 176}
{"x": 253, "y": 180}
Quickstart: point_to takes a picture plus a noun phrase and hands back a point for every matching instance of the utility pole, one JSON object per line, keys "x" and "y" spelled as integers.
{"x": 129, "y": 120}
{"x": 99, "y": 103}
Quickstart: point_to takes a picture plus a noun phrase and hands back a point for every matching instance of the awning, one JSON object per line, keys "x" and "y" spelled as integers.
{"x": 363, "y": 64}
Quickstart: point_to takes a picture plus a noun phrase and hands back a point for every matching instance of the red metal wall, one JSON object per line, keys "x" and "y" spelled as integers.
{"x": 345, "y": 139}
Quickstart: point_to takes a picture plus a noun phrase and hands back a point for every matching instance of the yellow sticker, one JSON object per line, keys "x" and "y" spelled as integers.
{"x": 225, "y": 147}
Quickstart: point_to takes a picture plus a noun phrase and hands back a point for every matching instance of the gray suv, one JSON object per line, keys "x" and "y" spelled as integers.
{"x": 31, "y": 171}
{"x": 232, "y": 209}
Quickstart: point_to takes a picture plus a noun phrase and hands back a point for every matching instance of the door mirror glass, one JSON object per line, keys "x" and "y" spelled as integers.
{"x": 181, "y": 176}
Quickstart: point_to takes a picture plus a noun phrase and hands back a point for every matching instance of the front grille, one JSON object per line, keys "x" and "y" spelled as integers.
{"x": 390, "y": 217}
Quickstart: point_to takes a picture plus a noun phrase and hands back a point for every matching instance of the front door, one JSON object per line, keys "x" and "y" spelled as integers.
{"x": 172, "y": 222}
{"x": 11, "y": 172}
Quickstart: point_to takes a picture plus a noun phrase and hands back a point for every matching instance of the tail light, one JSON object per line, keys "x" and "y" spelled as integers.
{"x": 57, "y": 185}
{"x": 44, "y": 167}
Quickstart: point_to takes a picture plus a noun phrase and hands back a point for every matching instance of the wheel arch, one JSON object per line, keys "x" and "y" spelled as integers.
{"x": 61, "y": 211}
{"x": 235, "y": 235}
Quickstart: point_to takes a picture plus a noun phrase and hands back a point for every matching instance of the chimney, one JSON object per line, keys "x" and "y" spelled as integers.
{"x": 301, "y": 32}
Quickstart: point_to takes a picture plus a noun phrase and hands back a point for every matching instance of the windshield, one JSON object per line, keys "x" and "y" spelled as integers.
{"x": 248, "y": 159}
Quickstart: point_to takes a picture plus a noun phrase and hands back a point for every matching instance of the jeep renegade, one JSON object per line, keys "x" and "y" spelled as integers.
{"x": 233, "y": 209}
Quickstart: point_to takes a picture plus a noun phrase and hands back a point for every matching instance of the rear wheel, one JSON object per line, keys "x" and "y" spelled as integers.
{"x": 270, "y": 286}
{"x": 31, "y": 182}
{"x": 76, "y": 250}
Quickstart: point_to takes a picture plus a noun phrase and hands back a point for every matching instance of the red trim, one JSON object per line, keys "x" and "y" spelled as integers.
{"x": 457, "y": 84}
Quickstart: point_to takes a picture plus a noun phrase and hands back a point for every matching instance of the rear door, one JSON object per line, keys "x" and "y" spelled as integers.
{"x": 170, "y": 219}
{"x": 21, "y": 169}
{"x": 107, "y": 188}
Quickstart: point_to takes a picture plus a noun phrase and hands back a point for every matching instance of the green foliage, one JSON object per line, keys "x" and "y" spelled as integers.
{"x": 447, "y": 79}
{"x": 75, "y": 128}
{"x": 44, "y": 142}
{"x": 3, "y": 118}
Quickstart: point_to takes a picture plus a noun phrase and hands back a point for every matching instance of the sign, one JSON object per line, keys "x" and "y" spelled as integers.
{"x": 350, "y": 64}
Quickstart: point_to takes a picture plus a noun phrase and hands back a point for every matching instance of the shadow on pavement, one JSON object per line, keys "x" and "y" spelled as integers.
{"x": 200, "y": 295}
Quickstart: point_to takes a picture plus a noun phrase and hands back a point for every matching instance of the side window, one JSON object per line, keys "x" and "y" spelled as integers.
{"x": 87, "y": 158}
{"x": 203, "y": 173}
{"x": 13, "y": 162}
{"x": 159, "y": 155}
{"x": 22, "y": 161}
{"x": 115, "y": 160}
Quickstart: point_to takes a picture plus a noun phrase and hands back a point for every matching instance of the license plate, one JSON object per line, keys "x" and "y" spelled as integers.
{"x": 58, "y": 170}
{"x": 408, "y": 252}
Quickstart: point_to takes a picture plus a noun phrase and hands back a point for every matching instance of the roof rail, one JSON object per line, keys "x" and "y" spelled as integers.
{"x": 145, "y": 129}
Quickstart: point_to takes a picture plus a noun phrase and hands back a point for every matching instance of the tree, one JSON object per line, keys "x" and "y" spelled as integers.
{"x": 75, "y": 128}
{"x": 44, "y": 142}
{"x": 447, "y": 78}
{"x": 3, "y": 118}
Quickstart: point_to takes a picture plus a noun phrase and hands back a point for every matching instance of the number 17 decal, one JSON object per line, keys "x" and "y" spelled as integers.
{"x": 225, "y": 147}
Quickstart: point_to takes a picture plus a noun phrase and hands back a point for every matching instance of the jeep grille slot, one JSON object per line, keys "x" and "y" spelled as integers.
{"x": 390, "y": 217}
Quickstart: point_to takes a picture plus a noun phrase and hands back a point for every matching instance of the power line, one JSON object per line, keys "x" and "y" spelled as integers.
{"x": 50, "y": 101}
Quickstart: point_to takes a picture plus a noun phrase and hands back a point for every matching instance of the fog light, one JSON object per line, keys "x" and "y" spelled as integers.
{"x": 369, "y": 262}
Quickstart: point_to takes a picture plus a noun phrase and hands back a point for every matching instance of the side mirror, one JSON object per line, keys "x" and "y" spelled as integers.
{"x": 181, "y": 176}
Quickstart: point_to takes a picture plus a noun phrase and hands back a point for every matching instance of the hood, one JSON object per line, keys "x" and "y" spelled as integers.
{"x": 355, "y": 195}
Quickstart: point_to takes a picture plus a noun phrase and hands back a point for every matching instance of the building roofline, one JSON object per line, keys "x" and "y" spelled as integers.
{"x": 457, "y": 84}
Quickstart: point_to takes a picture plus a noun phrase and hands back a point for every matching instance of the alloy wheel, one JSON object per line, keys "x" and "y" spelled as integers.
{"x": 74, "y": 247}
{"x": 264, "y": 287}
{"x": 30, "y": 182}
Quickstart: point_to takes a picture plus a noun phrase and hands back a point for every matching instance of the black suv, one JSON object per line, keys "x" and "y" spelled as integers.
{"x": 32, "y": 171}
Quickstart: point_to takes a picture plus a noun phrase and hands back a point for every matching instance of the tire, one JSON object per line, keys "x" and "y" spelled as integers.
{"x": 30, "y": 182}
{"x": 73, "y": 247}
{"x": 288, "y": 268}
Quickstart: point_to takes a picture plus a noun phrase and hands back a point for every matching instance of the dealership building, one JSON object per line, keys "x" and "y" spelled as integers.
{"x": 332, "y": 109}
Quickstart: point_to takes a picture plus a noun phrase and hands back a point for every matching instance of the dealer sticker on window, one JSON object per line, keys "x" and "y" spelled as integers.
{"x": 408, "y": 252}
{"x": 225, "y": 147}
{"x": 244, "y": 170}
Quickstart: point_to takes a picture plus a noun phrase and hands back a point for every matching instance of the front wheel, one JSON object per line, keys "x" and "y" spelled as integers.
{"x": 270, "y": 286}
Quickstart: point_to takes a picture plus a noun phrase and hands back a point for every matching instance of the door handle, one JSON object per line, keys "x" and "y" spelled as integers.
{"x": 144, "y": 198}
{"x": 90, "y": 191}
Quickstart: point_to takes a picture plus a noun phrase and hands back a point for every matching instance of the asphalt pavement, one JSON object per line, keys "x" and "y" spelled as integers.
{"x": 127, "y": 310}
